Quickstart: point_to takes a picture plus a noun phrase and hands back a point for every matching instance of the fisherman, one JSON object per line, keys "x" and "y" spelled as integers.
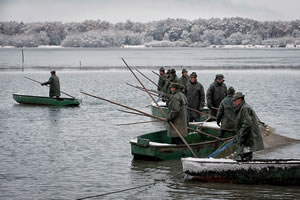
{"x": 216, "y": 92}
{"x": 249, "y": 136}
{"x": 226, "y": 113}
{"x": 184, "y": 79}
{"x": 161, "y": 80}
{"x": 172, "y": 79}
{"x": 53, "y": 81}
{"x": 177, "y": 114}
{"x": 196, "y": 98}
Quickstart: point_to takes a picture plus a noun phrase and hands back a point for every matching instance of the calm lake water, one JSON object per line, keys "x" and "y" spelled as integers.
{"x": 70, "y": 153}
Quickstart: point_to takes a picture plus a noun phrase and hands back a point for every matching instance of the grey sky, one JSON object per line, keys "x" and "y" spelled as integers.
{"x": 145, "y": 10}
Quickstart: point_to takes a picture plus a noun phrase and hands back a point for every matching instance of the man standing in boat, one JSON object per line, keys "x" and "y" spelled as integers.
{"x": 216, "y": 92}
{"x": 161, "y": 80}
{"x": 226, "y": 113}
{"x": 249, "y": 137}
{"x": 184, "y": 79}
{"x": 196, "y": 98}
{"x": 53, "y": 81}
{"x": 177, "y": 114}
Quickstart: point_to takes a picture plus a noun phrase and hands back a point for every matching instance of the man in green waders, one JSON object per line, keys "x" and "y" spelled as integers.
{"x": 54, "y": 85}
{"x": 177, "y": 114}
{"x": 249, "y": 137}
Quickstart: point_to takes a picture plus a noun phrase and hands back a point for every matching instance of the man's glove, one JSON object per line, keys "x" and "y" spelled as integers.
{"x": 42, "y": 84}
{"x": 218, "y": 122}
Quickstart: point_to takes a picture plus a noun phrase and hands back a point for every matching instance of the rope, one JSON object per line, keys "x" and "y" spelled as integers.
{"x": 132, "y": 188}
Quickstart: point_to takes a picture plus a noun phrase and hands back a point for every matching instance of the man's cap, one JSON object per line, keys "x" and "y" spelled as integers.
{"x": 184, "y": 70}
{"x": 173, "y": 71}
{"x": 52, "y": 72}
{"x": 237, "y": 95}
{"x": 230, "y": 91}
{"x": 219, "y": 76}
{"x": 193, "y": 74}
{"x": 176, "y": 85}
{"x": 162, "y": 69}
{"x": 168, "y": 71}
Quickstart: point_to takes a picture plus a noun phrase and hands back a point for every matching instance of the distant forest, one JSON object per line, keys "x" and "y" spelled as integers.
{"x": 163, "y": 33}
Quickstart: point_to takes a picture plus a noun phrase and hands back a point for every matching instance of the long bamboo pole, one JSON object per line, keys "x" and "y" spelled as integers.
{"x": 173, "y": 126}
{"x": 147, "y": 78}
{"x": 205, "y": 133}
{"x": 48, "y": 86}
{"x": 134, "y": 123}
{"x": 127, "y": 107}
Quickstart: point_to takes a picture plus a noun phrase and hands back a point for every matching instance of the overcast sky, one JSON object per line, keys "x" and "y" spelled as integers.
{"x": 145, "y": 10}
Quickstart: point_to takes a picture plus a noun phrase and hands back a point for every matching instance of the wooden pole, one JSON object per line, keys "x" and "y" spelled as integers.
{"x": 134, "y": 123}
{"x": 127, "y": 107}
{"x": 22, "y": 59}
{"x": 80, "y": 65}
{"x": 48, "y": 86}
{"x": 205, "y": 133}
{"x": 173, "y": 126}
{"x": 147, "y": 78}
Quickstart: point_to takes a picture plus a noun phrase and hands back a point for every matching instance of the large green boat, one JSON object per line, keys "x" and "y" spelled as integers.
{"x": 158, "y": 146}
{"x": 46, "y": 101}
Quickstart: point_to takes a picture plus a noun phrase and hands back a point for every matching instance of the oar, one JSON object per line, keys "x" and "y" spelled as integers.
{"x": 173, "y": 126}
{"x": 48, "y": 86}
{"x": 222, "y": 148}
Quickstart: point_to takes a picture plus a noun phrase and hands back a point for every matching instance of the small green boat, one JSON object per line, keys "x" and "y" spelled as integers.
{"x": 155, "y": 110}
{"x": 268, "y": 171}
{"x": 158, "y": 146}
{"x": 46, "y": 101}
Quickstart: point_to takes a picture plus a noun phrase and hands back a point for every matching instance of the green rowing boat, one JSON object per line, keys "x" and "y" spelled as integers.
{"x": 158, "y": 146}
{"x": 48, "y": 101}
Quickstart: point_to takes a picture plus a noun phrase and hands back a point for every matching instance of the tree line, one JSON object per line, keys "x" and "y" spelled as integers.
{"x": 164, "y": 33}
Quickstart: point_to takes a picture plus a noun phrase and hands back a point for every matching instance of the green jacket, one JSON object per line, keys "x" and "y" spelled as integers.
{"x": 196, "y": 97}
{"x": 177, "y": 114}
{"x": 226, "y": 113}
{"x": 54, "y": 86}
{"x": 184, "y": 80}
{"x": 167, "y": 86}
{"x": 248, "y": 132}
{"x": 214, "y": 95}
{"x": 161, "y": 82}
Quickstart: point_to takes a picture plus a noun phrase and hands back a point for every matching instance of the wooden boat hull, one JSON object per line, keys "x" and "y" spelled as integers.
{"x": 45, "y": 101}
{"x": 162, "y": 105}
{"x": 157, "y": 145}
{"x": 275, "y": 172}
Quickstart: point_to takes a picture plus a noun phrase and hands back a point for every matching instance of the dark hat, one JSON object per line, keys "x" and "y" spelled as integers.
{"x": 219, "y": 76}
{"x": 184, "y": 70}
{"x": 193, "y": 74}
{"x": 230, "y": 91}
{"x": 176, "y": 85}
{"x": 168, "y": 71}
{"x": 162, "y": 69}
{"x": 52, "y": 72}
{"x": 173, "y": 71}
{"x": 237, "y": 95}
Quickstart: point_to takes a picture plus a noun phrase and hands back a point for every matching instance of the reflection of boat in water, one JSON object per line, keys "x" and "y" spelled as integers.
{"x": 157, "y": 145}
{"x": 156, "y": 111}
{"x": 48, "y": 101}
{"x": 278, "y": 172}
